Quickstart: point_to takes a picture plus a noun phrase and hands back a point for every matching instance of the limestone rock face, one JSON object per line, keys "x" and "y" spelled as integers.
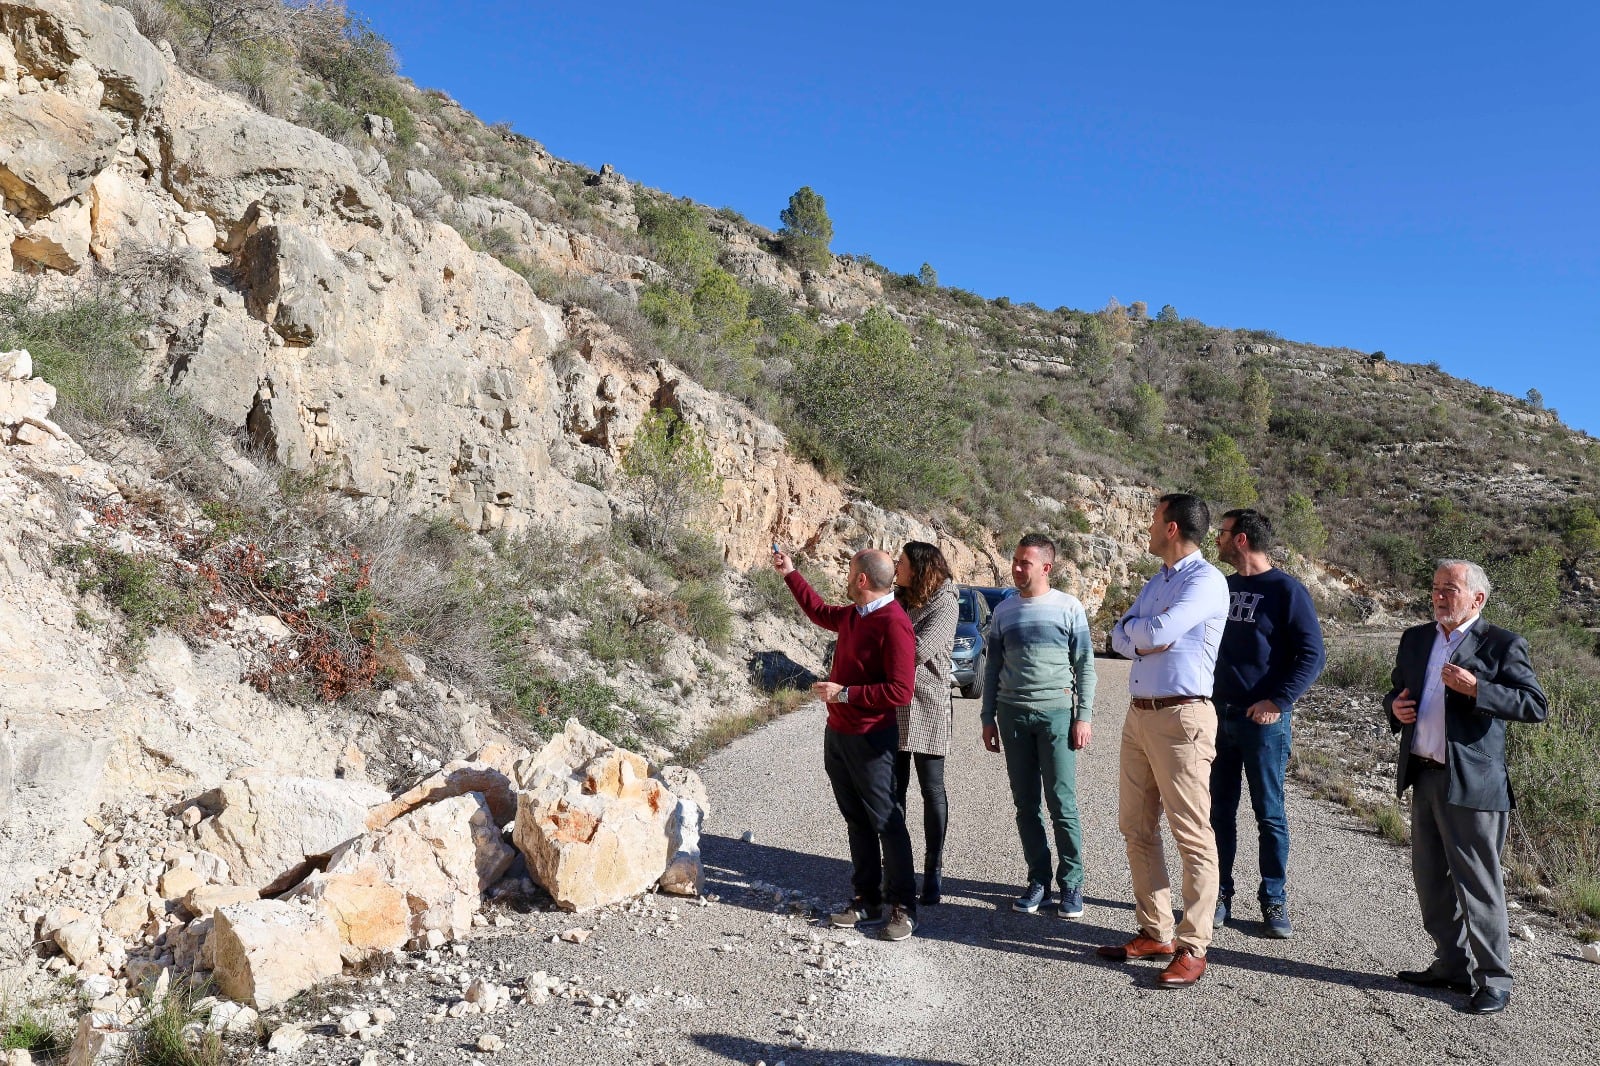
{"x": 237, "y": 165}
{"x": 270, "y": 825}
{"x": 591, "y": 821}
{"x": 440, "y": 857}
{"x": 268, "y": 951}
{"x": 51, "y": 36}
{"x": 52, "y": 150}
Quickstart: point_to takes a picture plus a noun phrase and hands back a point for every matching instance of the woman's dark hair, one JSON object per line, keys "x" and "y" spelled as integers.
{"x": 929, "y": 572}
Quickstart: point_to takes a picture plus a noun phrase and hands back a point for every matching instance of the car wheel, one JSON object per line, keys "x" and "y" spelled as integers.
{"x": 974, "y": 691}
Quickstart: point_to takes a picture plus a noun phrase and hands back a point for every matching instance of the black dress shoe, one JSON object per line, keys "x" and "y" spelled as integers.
{"x": 1434, "y": 979}
{"x": 1488, "y": 1000}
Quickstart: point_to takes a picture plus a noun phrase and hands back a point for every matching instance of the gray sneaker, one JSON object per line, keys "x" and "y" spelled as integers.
{"x": 855, "y": 913}
{"x": 901, "y": 924}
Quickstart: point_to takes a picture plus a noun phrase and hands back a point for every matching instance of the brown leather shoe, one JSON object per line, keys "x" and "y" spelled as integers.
{"x": 1184, "y": 969}
{"x": 1140, "y": 947}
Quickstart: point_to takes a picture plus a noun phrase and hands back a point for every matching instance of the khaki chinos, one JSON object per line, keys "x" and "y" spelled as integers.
{"x": 1167, "y": 749}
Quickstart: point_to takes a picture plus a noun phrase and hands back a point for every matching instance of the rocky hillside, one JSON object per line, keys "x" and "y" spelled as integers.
{"x": 288, "y": 388}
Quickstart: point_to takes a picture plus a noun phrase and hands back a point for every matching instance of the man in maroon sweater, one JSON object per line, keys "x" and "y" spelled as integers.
{"x": 874, "y": 671}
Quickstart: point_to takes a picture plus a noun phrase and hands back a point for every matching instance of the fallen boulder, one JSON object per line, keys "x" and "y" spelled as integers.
{"x": 685, "y": 875}
{"x": 591, "y": 821}
{"x": 270, "y": 828}
{"x": 370, "y": 914}
{"x": 441, "y": 857}
{"x": 267, "y": 951}
{"x": 488, "y": 772}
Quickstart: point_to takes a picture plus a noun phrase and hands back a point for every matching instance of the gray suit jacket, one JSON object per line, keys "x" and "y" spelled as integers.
{"x": 1475, "y": 730}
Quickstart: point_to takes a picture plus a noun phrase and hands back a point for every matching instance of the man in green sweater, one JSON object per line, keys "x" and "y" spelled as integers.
{"x": 1038, "y": 699}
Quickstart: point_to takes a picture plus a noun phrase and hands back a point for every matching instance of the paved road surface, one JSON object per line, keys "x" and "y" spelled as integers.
{"x": 980, "y": 983}
{"x": 750, "y": 978}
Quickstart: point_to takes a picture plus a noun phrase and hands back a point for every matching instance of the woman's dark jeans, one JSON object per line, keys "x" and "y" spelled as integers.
{"x": 935, "y": 807}
{"x": 1258, "y": 754}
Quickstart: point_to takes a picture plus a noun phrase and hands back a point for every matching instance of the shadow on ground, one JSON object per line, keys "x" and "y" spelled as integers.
{"x": 731, "y": 866}
{"x": 741, "y": 1049}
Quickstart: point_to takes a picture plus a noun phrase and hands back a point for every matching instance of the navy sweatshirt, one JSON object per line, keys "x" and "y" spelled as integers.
{"x": 1272, "y": 643}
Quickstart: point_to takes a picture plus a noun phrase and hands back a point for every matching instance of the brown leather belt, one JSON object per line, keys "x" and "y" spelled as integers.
{"x": 1161, "y": 703}
{"x": 1429, "y": 764}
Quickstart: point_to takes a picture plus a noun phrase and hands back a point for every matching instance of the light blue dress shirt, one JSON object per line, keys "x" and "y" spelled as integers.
{"x": 1185, "y": 606}
{"x": 1428, "y": 739}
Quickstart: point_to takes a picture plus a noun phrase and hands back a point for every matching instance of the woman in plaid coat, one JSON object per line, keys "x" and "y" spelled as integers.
{"x": 927, "y": 590}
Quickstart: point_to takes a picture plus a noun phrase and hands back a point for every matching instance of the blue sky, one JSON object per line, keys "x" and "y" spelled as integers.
{"x": 1418, "y": 178}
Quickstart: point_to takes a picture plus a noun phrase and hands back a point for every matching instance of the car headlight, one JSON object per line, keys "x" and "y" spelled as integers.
{"x": 965, "y": 643}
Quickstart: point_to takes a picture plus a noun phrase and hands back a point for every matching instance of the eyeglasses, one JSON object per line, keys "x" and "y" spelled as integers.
{"x": 1225, "y": 532}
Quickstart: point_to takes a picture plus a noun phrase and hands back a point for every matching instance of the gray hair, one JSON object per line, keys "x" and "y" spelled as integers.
{"x": 878, "y": 568}
{"x": 1477, "y": 580}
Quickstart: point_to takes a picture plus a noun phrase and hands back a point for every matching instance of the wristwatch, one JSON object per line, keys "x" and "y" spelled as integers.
{"x": 844, "y": 694}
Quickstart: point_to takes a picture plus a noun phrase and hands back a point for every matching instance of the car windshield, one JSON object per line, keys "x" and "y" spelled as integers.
{"x": 969, "y": 608}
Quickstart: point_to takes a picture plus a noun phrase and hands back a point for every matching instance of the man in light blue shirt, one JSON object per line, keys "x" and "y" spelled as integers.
{"x": 1169, "y": 737}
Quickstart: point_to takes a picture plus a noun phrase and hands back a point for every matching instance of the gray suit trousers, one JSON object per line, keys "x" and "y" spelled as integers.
{"x": 1455, "y": 862}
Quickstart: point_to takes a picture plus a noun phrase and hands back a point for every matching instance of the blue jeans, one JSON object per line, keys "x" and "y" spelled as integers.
{"x": 1260, "y": 755}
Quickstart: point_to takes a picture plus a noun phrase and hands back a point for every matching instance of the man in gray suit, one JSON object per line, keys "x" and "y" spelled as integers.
{"x": 1457, "y": 681}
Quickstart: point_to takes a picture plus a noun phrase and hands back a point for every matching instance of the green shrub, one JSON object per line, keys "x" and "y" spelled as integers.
{"x": 1358, "y": 666}
{"x": 677, "y": 235}
{"x": 1390, "y": 822}
{"x": 868, "y": 400}
{"x": 769, "y": 593}
{"x": 40, "y": 1031}
{"x": 147, "y": 592}
{"x": 705, "y": 608}
{"x": 1225, "y": 475}
{"x": 159, "y": 1038}
{"x": 358, "y": 67}
{"x": 669, "y": 469}
{"x": 81, "y": 342}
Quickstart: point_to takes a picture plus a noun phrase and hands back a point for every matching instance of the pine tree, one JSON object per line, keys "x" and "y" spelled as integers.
{"x": 807, "y": 230}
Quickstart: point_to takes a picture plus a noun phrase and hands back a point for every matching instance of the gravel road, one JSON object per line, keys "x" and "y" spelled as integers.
{"x": 750, "y": 978}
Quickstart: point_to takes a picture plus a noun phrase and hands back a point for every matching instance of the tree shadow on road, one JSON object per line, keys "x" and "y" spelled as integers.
{"x": 978, "y": 914}
{"x": 741, "y": 1049}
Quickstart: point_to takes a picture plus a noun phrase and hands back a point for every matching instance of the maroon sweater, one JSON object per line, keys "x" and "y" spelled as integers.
{"x": 876, "y": 659}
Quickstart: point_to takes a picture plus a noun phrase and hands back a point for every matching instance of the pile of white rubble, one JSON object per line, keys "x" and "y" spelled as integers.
{"x": 272, "y": 883}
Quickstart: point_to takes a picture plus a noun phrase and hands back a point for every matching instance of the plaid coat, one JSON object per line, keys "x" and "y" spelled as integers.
{"x": 925, "y": 725}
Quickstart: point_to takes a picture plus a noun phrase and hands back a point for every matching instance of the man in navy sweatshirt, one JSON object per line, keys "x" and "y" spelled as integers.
{"x": 873, "y": 674}
{"x": 1271, "y": 652}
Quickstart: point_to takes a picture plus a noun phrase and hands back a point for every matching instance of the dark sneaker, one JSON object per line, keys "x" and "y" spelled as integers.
{"x": 1224, "y": 910}
{"x": 901, "y": 924}
{"x": 1071, "y": 905}
{"x": 855, "y": 913}
{"x": 1032, "y": 898}
{"x": 1277, "y": 916}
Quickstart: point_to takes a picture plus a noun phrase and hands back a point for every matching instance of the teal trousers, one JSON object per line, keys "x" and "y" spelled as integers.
{"x": 1039, "y": 757}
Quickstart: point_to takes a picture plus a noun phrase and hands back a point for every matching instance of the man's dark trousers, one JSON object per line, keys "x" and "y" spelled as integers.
{"x": 861, "y": 769}
{"x": 1259, "y": 754}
